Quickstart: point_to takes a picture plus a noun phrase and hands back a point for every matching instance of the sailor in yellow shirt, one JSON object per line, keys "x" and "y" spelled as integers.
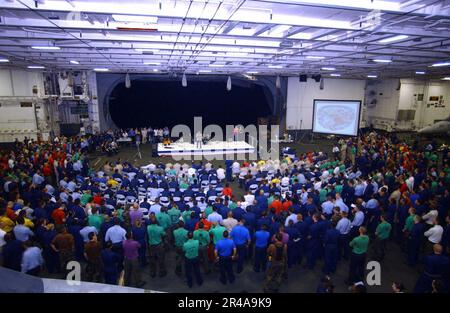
{"x": 113, "y": 183}
{"x": 275, "y": 181}
{"x": 6, "y": 224}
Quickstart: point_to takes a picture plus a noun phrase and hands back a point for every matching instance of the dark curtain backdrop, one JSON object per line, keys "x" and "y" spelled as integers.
{"x": 163, "y": 103}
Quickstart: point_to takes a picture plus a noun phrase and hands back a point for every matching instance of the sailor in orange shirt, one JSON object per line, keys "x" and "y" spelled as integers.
{"x": 206, "y": 224}
{"x": 277, "y": 205}
{"x": 227, "y": 191}
{"x": 287, "y": 204}
{"x": 59, "y": 216}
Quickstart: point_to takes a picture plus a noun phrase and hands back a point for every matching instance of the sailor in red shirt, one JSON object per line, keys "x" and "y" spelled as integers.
{"x": 98, "y": 199}
{"x": 277, "y": 205}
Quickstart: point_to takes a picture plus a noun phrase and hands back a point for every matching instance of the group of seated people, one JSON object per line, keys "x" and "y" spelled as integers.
{"x": 306, "y": 210}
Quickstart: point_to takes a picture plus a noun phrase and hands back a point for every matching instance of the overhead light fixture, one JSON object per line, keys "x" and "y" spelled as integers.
{"x": 216, "y": 65}
{"x": 420, "y": 72}
{"x": 135, "y": 18}
{"x": 127, "y": 81}
{"x": 74, "y": 62}
{"x": 204, "y": 71}
{"x": 184, "y": 80}
{"x": 36, "y": 67}
{"x": 4, "y": 60}
{"x": 446, "y": 78}
{"x": 372, "y": 76}
{"x": 229, "y": 83}
{"x": 101, "y": 69}
{"x": 155, "y": 70}
{"x": 441, "y": 64}
{"x": 328, "y": 68}
{"x": 382, "y": 61}
{"x": 152, "y": 63}
{"x": 46, "y": 47}
{"x": 278, "y": 82}
{"x": 252, "y": 72}
{"x": 392, "y": 39}
{"x": 275, "y": 66}
{"x": 335, "y": 75}
{"x": 314, "y": 57}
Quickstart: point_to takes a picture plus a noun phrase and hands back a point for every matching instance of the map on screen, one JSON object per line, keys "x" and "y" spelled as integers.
{"x": 336, "y": 117}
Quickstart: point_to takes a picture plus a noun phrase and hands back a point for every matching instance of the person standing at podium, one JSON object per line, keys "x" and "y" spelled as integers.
{"x": 198, "y": 140}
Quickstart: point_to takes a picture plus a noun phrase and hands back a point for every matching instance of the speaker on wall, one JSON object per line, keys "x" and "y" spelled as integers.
{"x": 317, "y": 78}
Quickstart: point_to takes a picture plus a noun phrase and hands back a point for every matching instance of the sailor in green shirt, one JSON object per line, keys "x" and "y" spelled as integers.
{"x": 86, "y": 197}
{"x": 155, "y": 233}
{"x": 186, "y": 215}
{"x": 382, "y": 232}
{"x": 270, "y": 199}
{"x": 203, "y": 237}
{"x": 217, "y": 232}
{"x": 192, "y": 266}
{"x": 164, "y": 218}
{"x": 174, "y": 214}
{"x": 409, "y": 223}
{"x": 95, "y": 219}
{"x": 338, "y": 188}
{"x": 208, "y": 210}
{"x": 383, "y": 229}
{"x": 156, "y": 250}
{"x": 323, "y": 194}
{"x": 180, "y": 237}
{"x": 359, "y": 247}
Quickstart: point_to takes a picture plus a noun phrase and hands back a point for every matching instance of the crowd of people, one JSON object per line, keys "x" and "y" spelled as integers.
{"x": 373, "y": 195}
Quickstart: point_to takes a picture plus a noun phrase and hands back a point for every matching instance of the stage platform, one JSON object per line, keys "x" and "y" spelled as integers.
{"x": 210, "y": 148}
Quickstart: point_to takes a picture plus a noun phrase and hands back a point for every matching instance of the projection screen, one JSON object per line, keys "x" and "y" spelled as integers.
{"x": 337, "y": 117}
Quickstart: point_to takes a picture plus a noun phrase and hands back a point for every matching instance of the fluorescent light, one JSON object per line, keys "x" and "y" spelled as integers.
{"x": 236, "y": 54}
{"x": 4, "y": 60}
{"x": 155, "y": 70}
{"x": 45, "y": 47}
{"x": 276, "y": 31}
{"x": 446, "y": 78}
{"x": 35, "y": 66}
{"x": 382, "y": 61}
{"x": 146, "y": 50}
{"x": 392, "y": 39}
{"x": 420, "y": 72}
{"x": 335, "y": 75}
{"x": 252, "y": 72}
{"x": 74, "y": 62}
{"x": 204, "y": 71}
{"x": 372, "y": 76}
{"x": 328, "y": 68}
{"x": 441, "y": 64}
{"x": 314, "y": 57}
{"x": 216, "y": 65}
{"x": 275, "y": 66}
{"x": 368, "y": 5}
{"x": 135, "y": 18}
{"x": 152, "y": 63}
{"x": 101, "y": 69}
{"x": 242, "y": 32}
